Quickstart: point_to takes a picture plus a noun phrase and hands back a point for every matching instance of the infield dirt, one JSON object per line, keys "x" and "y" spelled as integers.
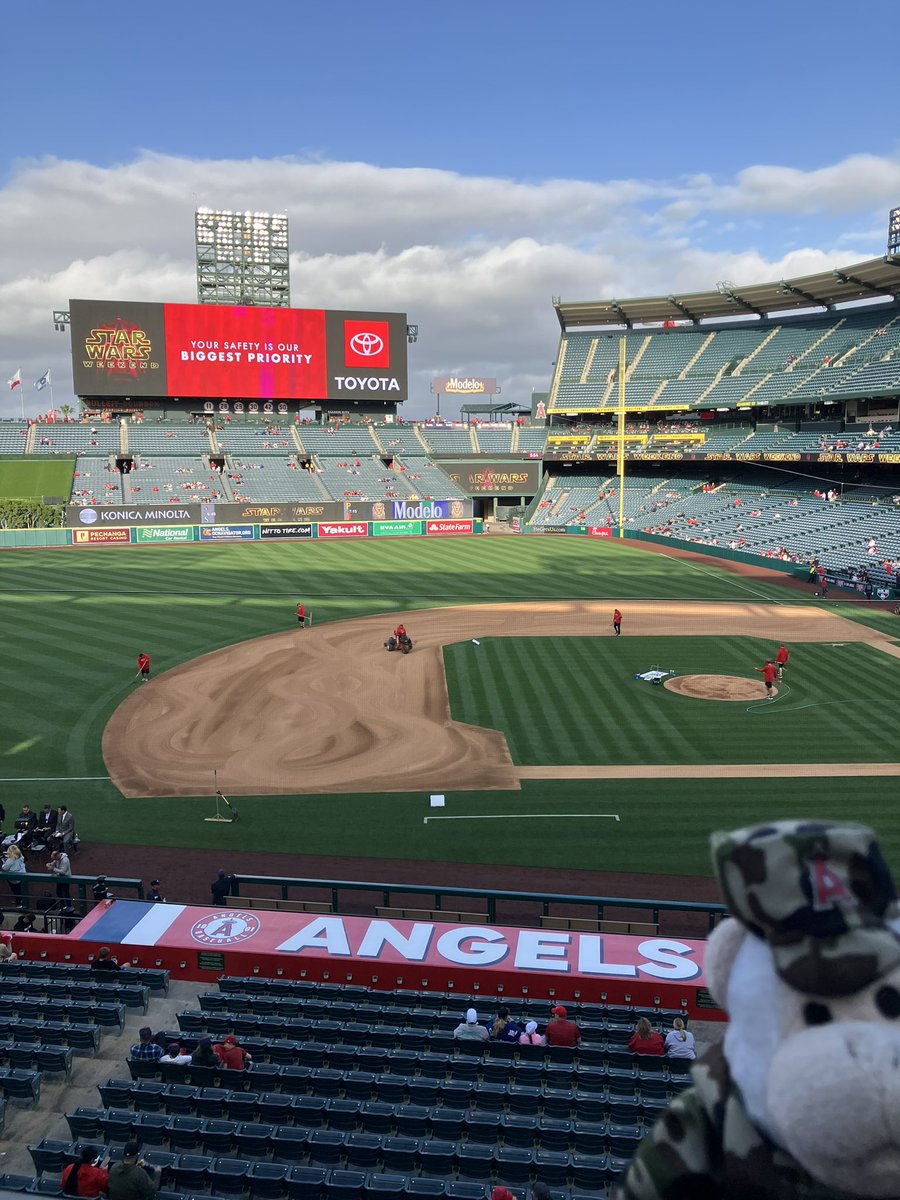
{"x": 328, "y": 710}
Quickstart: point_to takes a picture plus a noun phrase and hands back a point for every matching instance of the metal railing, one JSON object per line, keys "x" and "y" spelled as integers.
{"x": 27, "y": 888}
{"x": 542, "y": 902}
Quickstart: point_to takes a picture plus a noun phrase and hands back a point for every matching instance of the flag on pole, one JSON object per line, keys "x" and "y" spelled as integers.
{"x": 16, "y": 380}
{"x": 43, "y": 382}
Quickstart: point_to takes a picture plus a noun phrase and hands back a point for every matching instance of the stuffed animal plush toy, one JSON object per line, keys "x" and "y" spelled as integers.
{"x": 801, "y": 1100}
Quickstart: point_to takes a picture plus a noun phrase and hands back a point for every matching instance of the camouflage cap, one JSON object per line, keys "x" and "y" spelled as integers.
{"x": 820, "y": 894}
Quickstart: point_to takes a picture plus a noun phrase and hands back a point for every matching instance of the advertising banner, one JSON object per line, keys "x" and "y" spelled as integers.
{"x": 442, "y": 527}
{"x": 348, "y": 942}
{"x": 165, "y": 533}
{"x": 134, "y": 514}
{"x": 342, "y": 529}
{"x": 546, "y": 528}
{"x": 84, "y": 537}
{"x": 287, "y": 513}
{"x": 464, "y": 385}
{"x": 236, "y": 352}
{"x": 226, "y": 533}
{"x": 396, "y": 528}
{"x": 601, "y": 531}
{"x": 301, "y": 532}
{"x": 495, "y": 477}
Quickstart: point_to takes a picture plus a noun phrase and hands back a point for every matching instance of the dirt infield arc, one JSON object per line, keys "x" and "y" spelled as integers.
{"x": 326, "y": 710}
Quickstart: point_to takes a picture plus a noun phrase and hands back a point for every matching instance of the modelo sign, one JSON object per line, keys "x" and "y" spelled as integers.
{"x": 343, "y": 529}
{"x": 464, "y": 385}
{"x": 420, "y": 510}
{"x": 243, "y": 352}
{"x": 133, "y": 514}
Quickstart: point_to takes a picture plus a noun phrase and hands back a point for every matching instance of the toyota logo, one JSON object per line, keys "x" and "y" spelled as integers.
{"x": 367, "y": 344}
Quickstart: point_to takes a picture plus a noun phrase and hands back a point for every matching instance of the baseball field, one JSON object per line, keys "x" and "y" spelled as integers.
{"x": 517, "y": 703}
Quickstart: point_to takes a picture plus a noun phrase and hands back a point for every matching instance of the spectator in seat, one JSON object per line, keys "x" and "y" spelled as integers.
{"x": 204, "y": 1056}
{"x": 105, "y": 961}
{"x": 46, "y": 824}
{"x": 531, "y": 1037}
{"x": 470, "y": 1030}
{"x": 131, "y": 1179}
{"x": 230, "y": 1055}
{"x": 560, "y": 1030}
{"x": 504, "y": 1028}
{"x": 646, "y": 1040}
{"x": 6, "y": 953}
{"x": 26, "y": 824}
{"x": 175, "y": 1054}
{"x": 146, "y": 1050}
{"x": 680, "y": 1041}
{"x": 85, "y": 1178}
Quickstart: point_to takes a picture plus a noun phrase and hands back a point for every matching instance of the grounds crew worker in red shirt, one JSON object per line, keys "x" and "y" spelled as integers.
{"x": 617, "y": 622}
{"x": 301, "y": 616}
{"x": 781, "y": 659}
{"x": 143, "y": 663}
{"x": 769, "y": 672}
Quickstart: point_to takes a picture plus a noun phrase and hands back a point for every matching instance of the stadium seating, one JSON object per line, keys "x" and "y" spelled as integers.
{"x": 156, "y": 440}
{"x": 77, "y": 439}
{"x": 270, "y": 478}
{"x": 173, "y": 478}
{"x": 13, "y": 437}
{"x": 96, "y": 481}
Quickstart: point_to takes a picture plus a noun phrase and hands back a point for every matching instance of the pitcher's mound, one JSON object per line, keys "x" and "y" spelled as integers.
{"x": 718, "y": 687}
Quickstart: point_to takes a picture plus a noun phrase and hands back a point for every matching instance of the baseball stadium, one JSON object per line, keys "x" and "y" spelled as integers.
{"x": 656, "y": 600}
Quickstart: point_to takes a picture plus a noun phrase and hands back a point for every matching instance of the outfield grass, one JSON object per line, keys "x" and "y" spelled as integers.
{"x": 575, "y": 700}
{"x": 31, "y": 479}
{"x": 72, "y": 622}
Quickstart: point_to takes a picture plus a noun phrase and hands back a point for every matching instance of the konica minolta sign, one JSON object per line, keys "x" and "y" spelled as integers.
{"x": 133, "y": 514}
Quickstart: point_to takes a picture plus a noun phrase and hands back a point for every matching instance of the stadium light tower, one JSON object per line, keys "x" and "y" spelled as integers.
{"x": 242, "y": 258}
{"x": 893, "y": 246}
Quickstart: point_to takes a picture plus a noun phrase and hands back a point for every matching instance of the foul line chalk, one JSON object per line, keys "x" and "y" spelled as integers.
{"x": 523, "y": 817}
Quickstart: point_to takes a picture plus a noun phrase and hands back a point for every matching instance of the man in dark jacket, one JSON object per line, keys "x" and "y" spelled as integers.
{"x": 221, "y": 888}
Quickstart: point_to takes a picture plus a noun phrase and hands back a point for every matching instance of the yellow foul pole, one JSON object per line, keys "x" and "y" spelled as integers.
{"x": 620, "y": 437}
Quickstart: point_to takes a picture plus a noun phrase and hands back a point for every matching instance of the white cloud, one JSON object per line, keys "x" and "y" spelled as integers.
{"x": 474, "y": 261}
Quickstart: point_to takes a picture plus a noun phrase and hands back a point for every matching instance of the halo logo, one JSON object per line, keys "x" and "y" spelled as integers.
{"x": 87, "y": 516}
{"x": 366, "y": 344}
{"x": 225, "y": 928}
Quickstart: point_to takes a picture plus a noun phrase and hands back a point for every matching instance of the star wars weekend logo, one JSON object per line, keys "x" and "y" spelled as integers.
{"x": 119, "y": 348}
{"x": 225, "y": 928}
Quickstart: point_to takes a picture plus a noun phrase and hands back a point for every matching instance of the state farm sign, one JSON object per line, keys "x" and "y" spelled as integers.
{"x": 448, "y": 526}
{"x": 343, "y": 529}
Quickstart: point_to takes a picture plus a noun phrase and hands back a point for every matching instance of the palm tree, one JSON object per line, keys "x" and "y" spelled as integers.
{"x": 66, "y": 410}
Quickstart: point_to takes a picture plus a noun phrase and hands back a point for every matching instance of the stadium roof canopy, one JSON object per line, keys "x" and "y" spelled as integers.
{"x": 878, "y": 278}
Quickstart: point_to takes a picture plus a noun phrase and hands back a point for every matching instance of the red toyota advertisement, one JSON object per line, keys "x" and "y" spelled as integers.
{"x": 448, "y": 526}
{"x": 599, "y": 531}
{"x": 343, "y": 529}
{"x": 222, "y": 352}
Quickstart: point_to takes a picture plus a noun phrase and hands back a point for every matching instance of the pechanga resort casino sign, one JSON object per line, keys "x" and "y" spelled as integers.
{"x": 221, "y": 352}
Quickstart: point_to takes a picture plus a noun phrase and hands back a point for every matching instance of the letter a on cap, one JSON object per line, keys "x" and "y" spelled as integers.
{"x": 827, "y": 887}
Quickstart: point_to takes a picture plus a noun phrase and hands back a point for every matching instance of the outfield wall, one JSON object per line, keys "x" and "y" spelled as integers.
{"x": 302, "y": 531}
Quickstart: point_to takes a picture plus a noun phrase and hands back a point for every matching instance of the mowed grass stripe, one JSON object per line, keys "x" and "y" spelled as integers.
{"x": 829, "y": 710}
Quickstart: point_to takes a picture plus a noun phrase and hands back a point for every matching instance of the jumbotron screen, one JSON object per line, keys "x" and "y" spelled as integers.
{"x": 221, "y": 352}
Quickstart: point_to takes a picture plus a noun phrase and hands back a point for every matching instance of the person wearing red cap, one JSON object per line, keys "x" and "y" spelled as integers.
{"x": 230, "y": 1055}
{"x": 617, "y": 622}
{"x": 560, "y": 1030}
{"x": 781, "y": 657}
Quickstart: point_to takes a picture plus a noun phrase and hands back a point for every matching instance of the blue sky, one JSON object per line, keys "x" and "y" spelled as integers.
{"x": 463, "y": 162}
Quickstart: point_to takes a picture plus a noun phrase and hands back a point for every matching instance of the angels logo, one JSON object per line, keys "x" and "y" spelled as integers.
{"x": 225, "y": 928}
